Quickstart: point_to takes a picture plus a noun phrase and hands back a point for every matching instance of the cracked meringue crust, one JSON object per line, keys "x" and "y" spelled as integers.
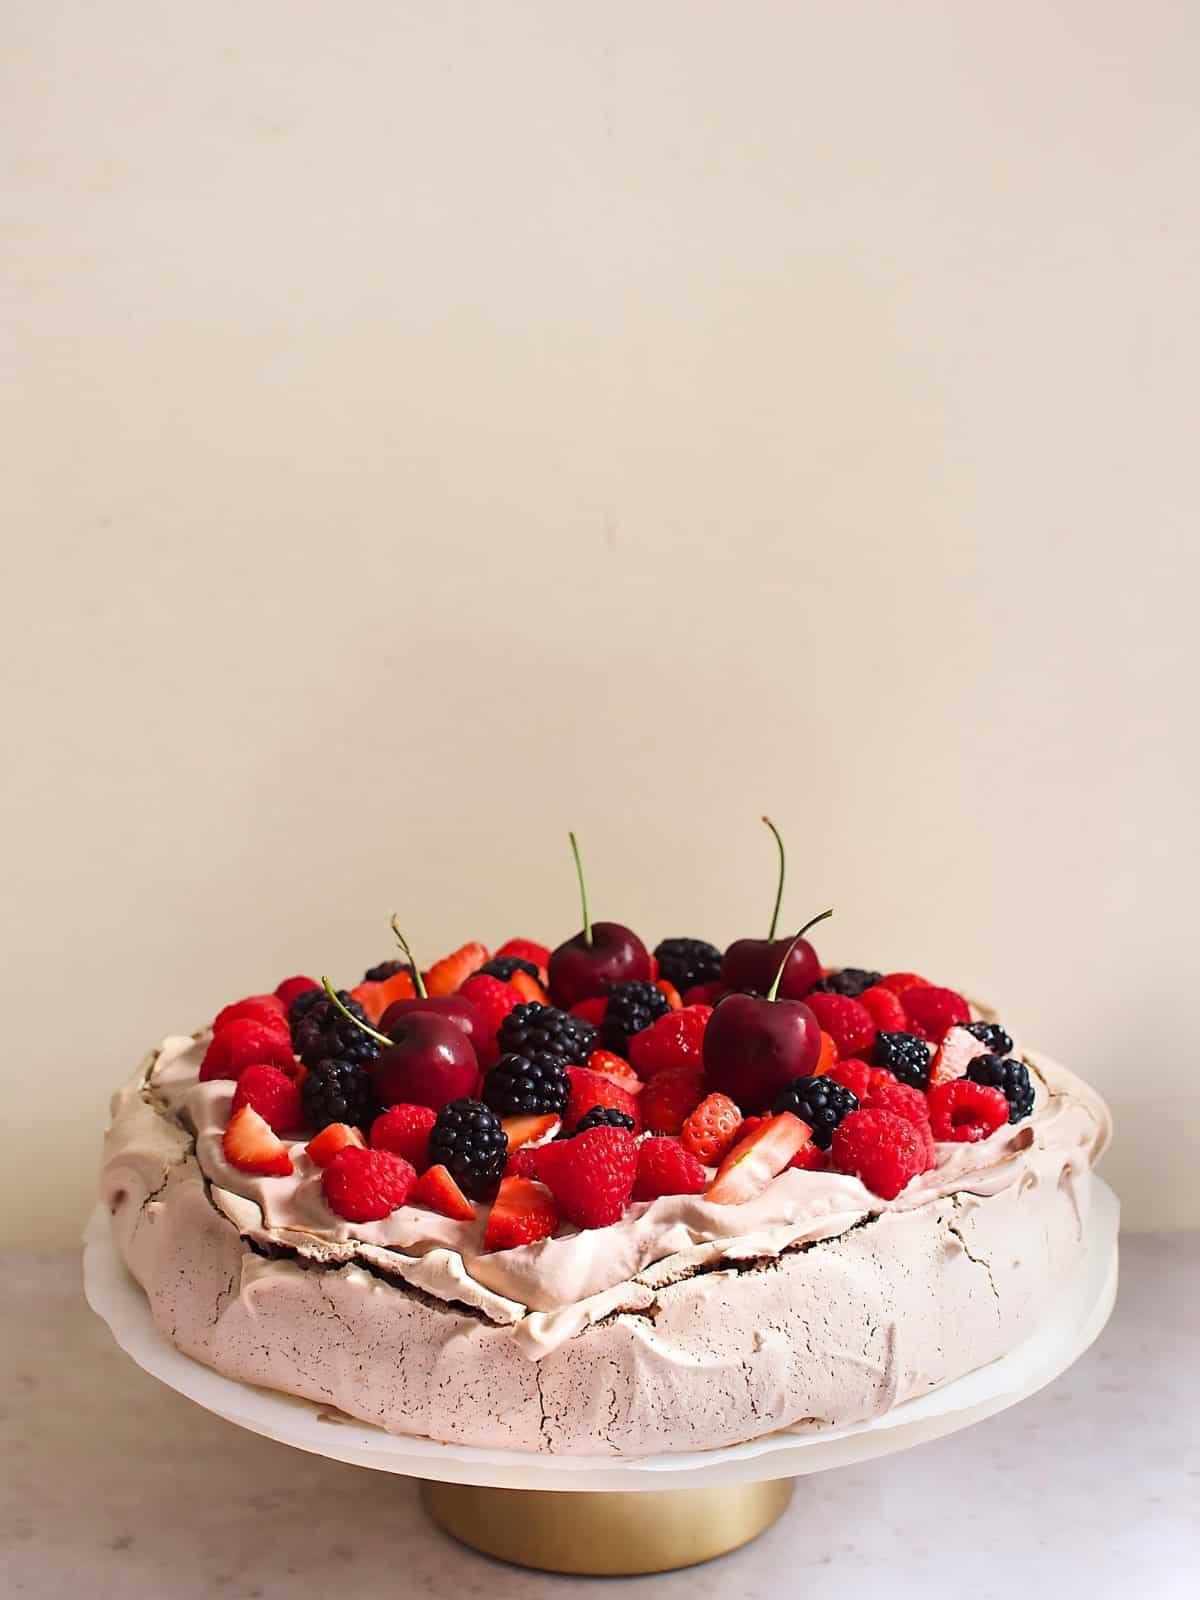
{"x": 685, "y": 1326}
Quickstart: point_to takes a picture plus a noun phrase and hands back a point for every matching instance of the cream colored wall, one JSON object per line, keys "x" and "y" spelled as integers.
{"x": 437, "y": 426}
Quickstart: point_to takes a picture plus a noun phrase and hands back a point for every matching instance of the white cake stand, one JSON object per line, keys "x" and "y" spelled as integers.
{"x": 645, "y": 1515}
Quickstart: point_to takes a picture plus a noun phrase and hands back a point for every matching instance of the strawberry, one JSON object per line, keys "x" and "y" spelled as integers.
{"x": 528, "y": 950}
{"x": 291, "y": 987}
{"x": 273, "y": 1094}
{"x": 850, "y": 1023}
{"x": 527, "y": 988}
{"x": 522, "y": 1213}
{"x": 711, "y": 1129}
{"x": 376, "y": 996}
{"x": 591, "y": 1010}
{"x": 590, "y": 1089}
{"x": 665, "y": 1167}
{"x": 528, "y": 1130}
{"x": 898, "y": 982}
{"x": 676, "y": 1040}
{"x": 268, "y": 1008}
{"x": 251, "y": 1145}
{"x": 810, "y": 1158}
{"x": 885, "y": 1008}
{"x": 244, "y": 1043}
{"x": 752, "y": 1163}
{"x": 366, "y": 1185}
{"x": 404, "y": 1130}
{"x": 670, "y": 1097}
{"x": 670, "y": 993}
{"x": 954, "y": 1055}
{"x": 522, "y": 1163}
{"x": 448, "y": 974}
{"x": 333, "y": 1137}
{"x": 493, "y": 999}
{"x": 933, "y": 1011}
{"x": 436, "y": 1190}
{"x": 591, "y": 1176}
{"x": 828, "y": 1056}
{"x": 616, "y": 1068}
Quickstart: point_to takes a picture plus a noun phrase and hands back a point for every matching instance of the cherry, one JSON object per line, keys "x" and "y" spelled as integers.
{"x": 751, "y": 963}
{"x": 604, "y": 953}
{"x": 753, "y": 1047}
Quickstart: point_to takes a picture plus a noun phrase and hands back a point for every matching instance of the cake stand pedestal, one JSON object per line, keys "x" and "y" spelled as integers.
{"x": 624, "y": 1517}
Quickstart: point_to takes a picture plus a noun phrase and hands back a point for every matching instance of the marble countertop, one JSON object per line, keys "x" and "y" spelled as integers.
{"x": 116, "y": 1486}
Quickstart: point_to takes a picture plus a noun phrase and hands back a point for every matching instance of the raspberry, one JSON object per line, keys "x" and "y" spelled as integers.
{"x": 605, "y": 1117}
{"x": 405, "y": 1130}
{"x": 903, "y": 1055}
{"x": 997, "y": 1039}
{"x": 821, "y": 1102}
{"x": 493, "y": 999}
{"x": 266, "y": 1008}
{"x": 665, "y": 1167}
{"x": 366, "y": 1185}
{"x": 853, "y": 1075}
{"x": 339, "y": 1091}
{"x": 591, "y": 1176}
{"x": 616, "y": 1068}
{"x": 467, "y": 1138}
{"x": 631, "y": 1007}
{"x": 882, "y": 1149}
{"x": 273, "y": 1094}
{"x": 1010, "y": 1077}
{"x": 932, "y": 1012}
{"x": 676, "y": 1040}
{"x": 533, "y": 1085}
{"x": 849, "y": 1022}
{"x": 963, "y": 1111}
{"x": 590, "y": 1089}
{"x": 711, "y": 1129}
{"x": 670, "y": 1098}
{"x": 245, "y": 1043}
{"x": 888, "y": 1095}
{"x": 688, "y": 962}
{"x": 291, "y": 987}
{"x": 522, "y": 1163}
{"x": 849, "y": 981}
{"x": 898, "y": 982}
{"x": 885, "y": 1008}
{"x": 591, "y": 1011}
{"x": 446, "y": 975}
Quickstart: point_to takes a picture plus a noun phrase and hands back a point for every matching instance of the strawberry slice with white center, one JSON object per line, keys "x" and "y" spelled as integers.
{"x": 954, "y": 1055}
{"x": 333, "y": 1137}
{"x": 523, "y": 1213}
{"x": 251, "y": 1145}
{"x": 436, "y": 1190}
{"x": 752, "y": 1163}
{"x": 523, "y": 1131}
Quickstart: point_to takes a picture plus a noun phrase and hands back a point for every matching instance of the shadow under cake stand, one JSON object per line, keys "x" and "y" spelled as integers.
{"x": 625, "y": 1516}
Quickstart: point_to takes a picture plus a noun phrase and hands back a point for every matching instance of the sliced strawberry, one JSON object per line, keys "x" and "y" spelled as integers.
{"x": 251, "y": 1145}
{"x": 828, "y": 1056}
{"x": 528, "y": 950}
{"x": 436, "y": 1190}
{"x": 322, "y": 1148}
{"x": 616, "y": 1068}
{"x": 529, "y": 1130}
{"x": 752, "y": 1163}
{"x": 711, "y": 1130}
{"x": 528, "y": 988}
{"x": 590, "y": 1089}
{"x": 669, "y": 992}
{"x": 524, "y": 1212}
{"x": 376, "y": 997}
{"x": 451, "y": 972}
{"x": 954, "y": 1055}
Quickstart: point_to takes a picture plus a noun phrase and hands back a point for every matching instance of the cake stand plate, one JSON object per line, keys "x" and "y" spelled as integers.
{"x": 643, "y": 1515}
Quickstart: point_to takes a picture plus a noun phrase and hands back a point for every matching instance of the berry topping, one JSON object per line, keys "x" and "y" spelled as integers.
{"x": 521, "y": 1131}
{"x": 954, "y": 1055}
{"x": 274, "y": 1095}
{"x": 589, "y": 1089}
{"x": 670, "y": 1097}
{"x": 534, "y": 1085}
{"x": 1010, "y": 1077}
{"x": 288, "y": 990}
{"x": 437, "y": 1191}
{"x": 687, "y": 962}
{"x": 338, "y": 1091}
{"x": 616, "y": 1068}
{"x": 886, "y": 1009}
{"x": 302, "y": 1003}
{"x": 405, "y": 1130}
{"x": 322, "y": 1031}
{"x": 932, "y": 1011}
{"x": 903, "y": 1055}
{"x": 534, "y": 1029}
{"x": 827, "y": 1057}
{"x": 366, "y": 1185}
{"x": 711, "y": 1129}
{"x": 245, "y": 1043}
{"x": 665, "y": 1167}
{"x": 527, "y": 988}
{"x": 492, "y": 999}
{"x": 452, "y": 971}
{"x": 376, "y": 997}
{"x": 602, "y": 954}
{"x": 847, "y": 1020}
{"x": 468, "y": 1139}
{"x": 528, "y": 950}
{"x": 752, "y": 966}
{"x": 605, "y": 1117}
{"x": 676, "y": 1040}
{"x": 855, "y": 1075}
{"x": 631, "y": 1007}
{"x": 590, "y": 1176}
{"x": 963, "y": 1111}
{"x": 991, "y": 1034}
{"x": 522, "y": 1163}
{"x": 385, "y": 970}
{"x": 523, "y": 1213}
{"x": 266, "y": 1008}
{"x": 754, "y": 1161}
{"x": 849, "y": 981}
{"x": 881, "y": 1148}
{"x": 821, "y": 1102}
{"x": 898, "y": 982}
{"x": 251, "y": 1145}
{"x": 322, "y": 1148}
{"x": 503, "y": 967}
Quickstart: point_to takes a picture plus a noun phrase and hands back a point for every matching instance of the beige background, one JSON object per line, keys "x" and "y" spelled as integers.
{"x": 432, "y": 426}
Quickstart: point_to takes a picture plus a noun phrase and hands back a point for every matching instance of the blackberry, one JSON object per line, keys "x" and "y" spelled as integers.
{"x": 534, "y": 1085}
{"x": 1010, "y": 1077}
{"x": 904, "y": 1055}
{"x": 534, "y": 1029}
{"x": 302, "y": 1005}
{"x": 687, "y": 962}
{"x": 338, "y": 1091}
{"x": 384, "y": 971}
{"x": 991, "y": 1034}
{"x": 605, "y": 1117}
{"x": 631, "y": 1007}
{"x": 503, "y": 967}
{"x": 821, "y": 1102}
{"x": 324, "y": 1032}
{"x": 467, "y": 1138}
{"x": 849, "y": 981}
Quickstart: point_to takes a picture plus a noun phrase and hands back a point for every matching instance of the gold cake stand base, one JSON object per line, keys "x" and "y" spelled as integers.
{"x": 606, "y": 1535}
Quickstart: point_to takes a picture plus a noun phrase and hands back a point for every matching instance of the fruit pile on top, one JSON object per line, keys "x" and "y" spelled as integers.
{"x": 561, "y": 1086}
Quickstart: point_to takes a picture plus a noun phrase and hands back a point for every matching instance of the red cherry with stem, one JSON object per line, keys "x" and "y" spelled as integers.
{"x": 751, "y": 963}
{"x": 753, "y": 1047}
{"x": 427, "y": 1059}
{"x": 457, "y": 1007}
{"x": 602, "y": 954}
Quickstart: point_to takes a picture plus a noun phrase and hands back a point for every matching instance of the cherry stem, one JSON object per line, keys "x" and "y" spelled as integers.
{"x": 782, "y": 875}
{"x": 773, "y": 991}
{"x": 418, "y": 980}
{"x": 382, "y": 1038}
{"x": 587, "y": 921}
